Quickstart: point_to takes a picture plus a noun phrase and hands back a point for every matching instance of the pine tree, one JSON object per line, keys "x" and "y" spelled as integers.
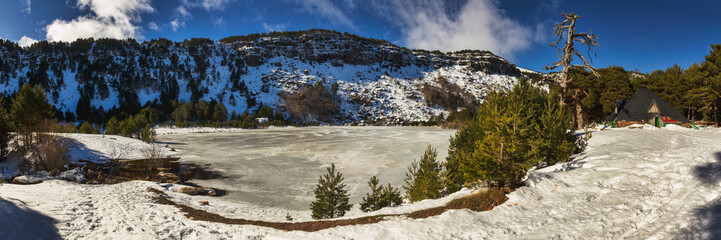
{"x": 380, "y": 196}
{"x": 221, "y": 113}
{"x": 391, "y": 197}
{"x": 554, "y": 143}
{"x": 710, "y": 91}
{"x": 30, "y": 109}
{"x": 423, "y": 179}
{"x": 518, "y": 130}
{"x": 148, "y": 135}
{"x": 111, "y": 127}
{"x": 331, "y": 197}
{"x": 372, "y": 200}
{"x": 85, "y": 127}
{"x": 5, "y": 129}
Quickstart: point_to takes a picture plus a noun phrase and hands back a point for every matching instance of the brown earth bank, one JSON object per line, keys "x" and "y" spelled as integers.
{"x": 482, "y": 200}
{"x": 166, "y": 170}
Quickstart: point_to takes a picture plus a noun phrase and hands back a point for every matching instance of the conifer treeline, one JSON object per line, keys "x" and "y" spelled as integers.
{"x": 695, "y": 92}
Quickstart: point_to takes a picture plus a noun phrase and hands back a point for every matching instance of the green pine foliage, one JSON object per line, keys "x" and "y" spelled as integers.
{"x": 371, "y": 202}
{"x": 451, "y": 177}
{"x": 380, "y": 196}
{"x": 423, "y": 179}
{"x": 331, "y": 197}
{"x": 220, "y": 113}
{"x": 29, "y": 111}
{"x": 86, "y": 127}
{"x": 5, "y": 129}
{"x": 514, "y": 132}
{"x": 390, "y": 196}
{"x": 148, "y": 135}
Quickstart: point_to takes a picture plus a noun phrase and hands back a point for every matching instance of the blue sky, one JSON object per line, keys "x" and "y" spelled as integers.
{"x": 643, "y": 35}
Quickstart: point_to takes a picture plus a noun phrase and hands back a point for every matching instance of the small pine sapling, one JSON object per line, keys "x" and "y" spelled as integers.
{"x": 372, "y": 200}
{"x": 331, "y": 197}
{"x": 391, "y": 197}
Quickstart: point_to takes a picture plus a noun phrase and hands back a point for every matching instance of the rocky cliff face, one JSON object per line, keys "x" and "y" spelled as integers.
{"x": 377, "y": 80}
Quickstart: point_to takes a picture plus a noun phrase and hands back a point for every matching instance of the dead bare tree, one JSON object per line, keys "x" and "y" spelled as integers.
{"x": 567, "y": 30}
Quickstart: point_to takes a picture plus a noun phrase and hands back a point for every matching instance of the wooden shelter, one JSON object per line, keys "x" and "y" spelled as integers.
{"x": 645, "y": 107}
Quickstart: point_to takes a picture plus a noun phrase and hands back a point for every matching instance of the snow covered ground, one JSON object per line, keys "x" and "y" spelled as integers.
{"x": 630, "y": 183}
{"x": 93, "y": 147}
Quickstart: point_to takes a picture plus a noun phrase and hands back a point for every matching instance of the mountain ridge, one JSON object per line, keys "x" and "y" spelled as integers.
{"x": 378, "y": 81}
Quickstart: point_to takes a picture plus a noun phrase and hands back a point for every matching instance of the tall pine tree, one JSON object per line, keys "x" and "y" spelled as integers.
{"x": 29, "y": 111}
{"x": 5, "y": 129}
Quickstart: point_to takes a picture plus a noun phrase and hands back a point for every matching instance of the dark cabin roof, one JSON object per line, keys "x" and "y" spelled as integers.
{"x": 638, "y": 108}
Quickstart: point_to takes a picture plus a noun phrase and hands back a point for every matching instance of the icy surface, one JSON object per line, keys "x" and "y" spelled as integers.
{"x": 630, "y": 184}
{"x": 280, "y": 167}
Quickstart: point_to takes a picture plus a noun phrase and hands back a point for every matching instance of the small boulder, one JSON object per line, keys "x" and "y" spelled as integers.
{"x": 210, "y": 192}
{"x": 192, "y": 190}
{"x": 25, "y": 179}
{"x": 166, "y": 177}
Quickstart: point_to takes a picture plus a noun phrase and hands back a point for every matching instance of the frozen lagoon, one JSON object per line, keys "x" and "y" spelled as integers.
{"x": 280, "y": 167}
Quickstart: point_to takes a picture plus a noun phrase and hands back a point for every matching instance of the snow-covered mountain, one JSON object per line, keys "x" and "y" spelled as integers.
{"x": 376, "y": 80}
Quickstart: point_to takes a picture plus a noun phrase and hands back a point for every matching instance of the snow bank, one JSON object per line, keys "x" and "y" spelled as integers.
{"x": 101, "y": 148}
{"x": 629, "y": 184}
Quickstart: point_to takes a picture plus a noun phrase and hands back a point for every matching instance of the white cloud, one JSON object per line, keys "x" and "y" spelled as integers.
{"x": 175, "y": 24}
{"x": 28, "y": 8}
{"x": 25, "y": 41}
{"x": 153, "y": 26}
{"x": 219, "y": 22}
{"x": 183, "y": 11}
{"x": 109, "y": 19}
{"x": 215, "y": 4}
{"x": 273, "y": 27}
{"x": 327, "y": 9}
{"x": 209, "y": 5}
{"x": 438, "y": 25}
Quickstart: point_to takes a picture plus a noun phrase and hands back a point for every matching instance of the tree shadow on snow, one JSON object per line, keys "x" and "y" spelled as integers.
{"x": 708, "y": 218}
{"x": 80, "y": 151}
{"x": 24, "y": 223}
{"x": 710, "y": 173}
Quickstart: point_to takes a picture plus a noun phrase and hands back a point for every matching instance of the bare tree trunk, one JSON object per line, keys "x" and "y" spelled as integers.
{"x": 579, "y": 116}
{"x": 567, "y": 52}
{"x": 715, "y": 113}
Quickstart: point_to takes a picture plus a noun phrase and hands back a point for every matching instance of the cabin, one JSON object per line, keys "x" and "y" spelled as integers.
{"x": 645, "y": 107}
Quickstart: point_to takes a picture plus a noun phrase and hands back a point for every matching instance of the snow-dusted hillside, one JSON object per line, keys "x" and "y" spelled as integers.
{"x": 377, "y": 80}
{"x": 630, "y": 184}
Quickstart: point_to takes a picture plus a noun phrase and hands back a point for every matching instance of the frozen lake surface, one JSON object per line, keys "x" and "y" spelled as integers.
{"x": 280, "y": 167}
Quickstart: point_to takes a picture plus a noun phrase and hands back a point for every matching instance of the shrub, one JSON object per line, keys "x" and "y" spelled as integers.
{"x": 154, "y": 158}
{"x": 331, "y": 197}
{"x": 315, "y": 102}
{"x": 380, "y": 197}
{"x": 423, "y": 177}
{"x": 447, "y": 95}
{"x": 50, "y": 153}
